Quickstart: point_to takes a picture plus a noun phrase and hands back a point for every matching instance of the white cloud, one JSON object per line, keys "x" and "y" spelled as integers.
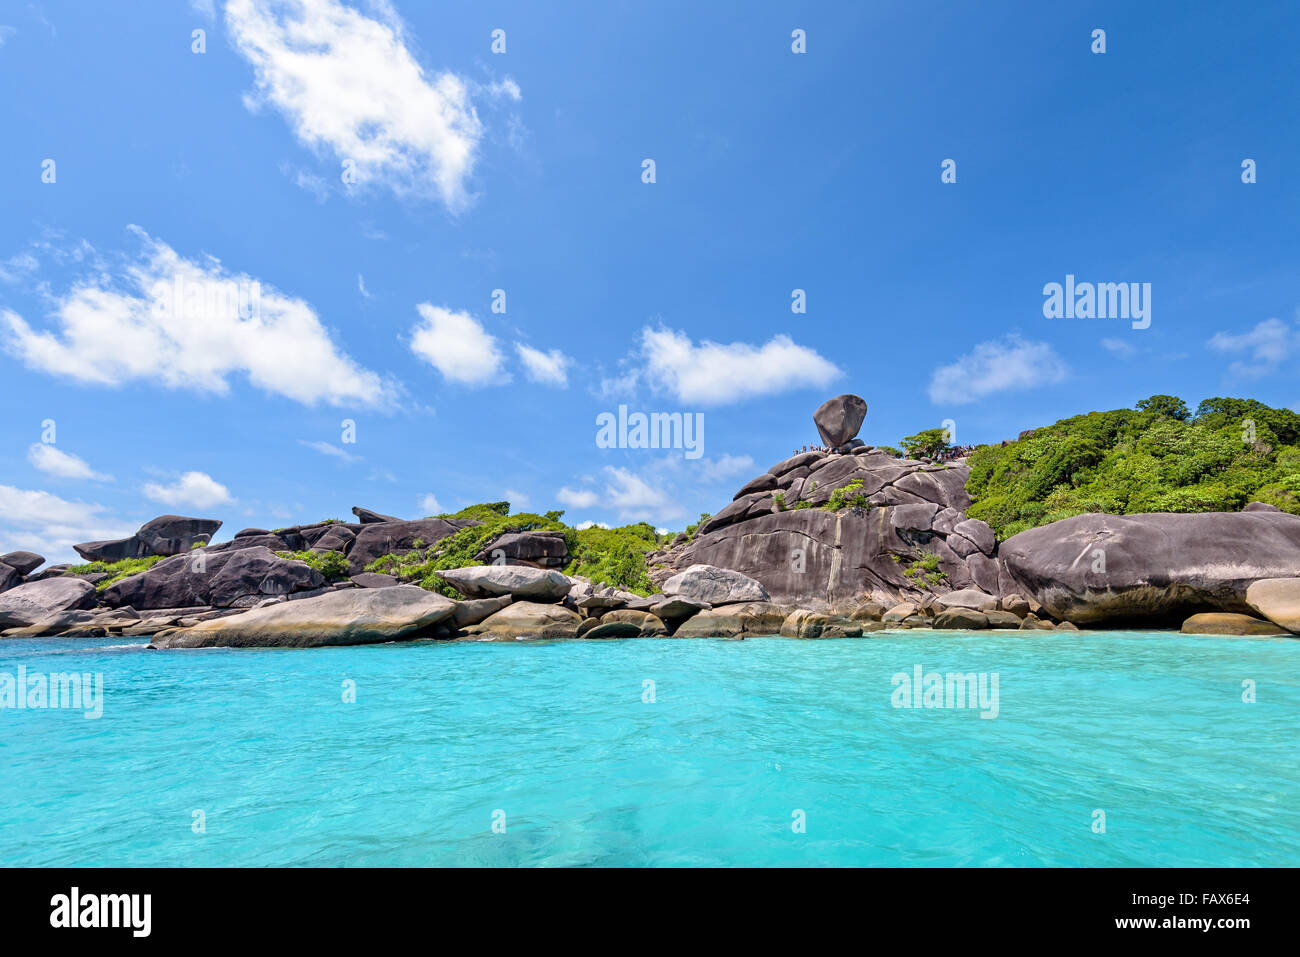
{"x": 22, "y": 265}
{"x": 203, "y": 7}
{"x": 548, "y": 368}
{"x": 429, "y": 505}
{"x": 726, "y": 467}
{"x": 576, "y": 497}
{"x": 996, "y": 366}
{"x": 326, "y": 448}
{"x": 5, "y": 33}
{"x": 307, "y": 181}
{"x": 636, "y": 500}
{"x": 348, "y": 84}
{"x": 361, "y": 286}
{"x": 197, "y": 489}
{"x": 590, "y": 524}
{"x": 1119, "y": 348}
{"x": 456, "y": 345}
{"x": 1266, "y": 346}
{"x": 54, "y": 461}
{"x": 714, "y": 374}
{"x": 518, "y": 500}
{"x": 42, "y": 522}
{"x": 113, "y": 333}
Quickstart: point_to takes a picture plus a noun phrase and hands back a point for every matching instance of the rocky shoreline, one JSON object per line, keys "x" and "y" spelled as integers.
{"x": 843, "y": 541}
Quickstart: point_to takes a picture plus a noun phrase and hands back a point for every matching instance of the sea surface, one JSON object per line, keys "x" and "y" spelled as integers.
{"x": 761, "y": 752}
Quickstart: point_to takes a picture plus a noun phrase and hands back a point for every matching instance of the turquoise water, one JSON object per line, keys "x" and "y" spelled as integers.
{"x": 1149, "y": 728}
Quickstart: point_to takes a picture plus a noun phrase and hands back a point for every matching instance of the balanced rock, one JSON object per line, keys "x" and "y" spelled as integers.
{"x": 366, "y": 517}
{"x": 356, "y": 616}
{"x": 176, "y": 534}
{"x": 840, "y": 418}
{"x": 715, "y": 586}
{"x": 521, "y": 582}
{"x": 540, "y": 549}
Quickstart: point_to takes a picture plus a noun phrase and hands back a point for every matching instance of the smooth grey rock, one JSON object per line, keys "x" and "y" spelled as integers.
{"x": 538, "y": 549}
{"x": 374, "y": 580}
{"x": 23, "y": 562}
{"x": 734, "y": 621}
{"x": 367, "y": 517}
{"x": 1278, "y": 600}
{"x": 520, "y": 581}
{"x": 355, "y": 616}
{"x": 529, "y": 619}
{"x": 715, "y": 586}
{"x": 376, "y": 540}
{"x": 30, "y": 602}
{"x": 475, "y": 610}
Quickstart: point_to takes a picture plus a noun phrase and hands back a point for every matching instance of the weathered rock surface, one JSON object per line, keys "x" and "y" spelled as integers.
{"x": 539, "y": 549}
{"x": 1229, "y": 623}
{"x": 164, "y": 535}
{"x": 356, "y": 616}
{"x": 219, "y": 579}
{"x": 646, "y": 624}
{"x": 522, "y": 582}
{"x": 962, "y": 618}
{"x": 23, "y": 562}
{"x": 475, "y": 610}
{"x": 1278, "y": 600}
{"x": 1153, "y": 568}
{"x": 374, "y": 540}
{"x": 734, "y": 621}
{"x": 9, "y": 577}
{"x": 367, "y": 517}
{"x": 373, "y": 580}
{"x": 30, "y": 602}
{"x": 529, "y": 619}
{"x": 714, "y": 586}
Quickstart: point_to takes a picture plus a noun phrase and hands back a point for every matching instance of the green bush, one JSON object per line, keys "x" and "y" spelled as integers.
{"x": 1155, "y": 458}
{"x": 116, "y": 571}
{"x": 333, "y": 565}
{"x": 926, "y": 442}
{"x": 848, "y": 496}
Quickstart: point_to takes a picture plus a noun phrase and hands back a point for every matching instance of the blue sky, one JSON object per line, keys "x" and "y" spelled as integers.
{"x": 474, "y": 171}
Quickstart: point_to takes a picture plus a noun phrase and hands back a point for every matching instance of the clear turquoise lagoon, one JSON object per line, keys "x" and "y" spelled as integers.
{"x": 740, "y": 738}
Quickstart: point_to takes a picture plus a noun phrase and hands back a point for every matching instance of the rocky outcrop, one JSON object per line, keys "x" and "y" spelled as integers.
{"x": 356, "y": 616}
{"x": 9, "y": 577}
{"x": 1153, "y": 568}
{"x": 521, "y": 582}
{"x": 164, "y": 535}
{"x": 538, "y": 549}
{"x": 22, "y": 562}
{"x": 29, "y": 603}
{"x": 734, "y": 621}
{"x": 1229, "y": 623}
{"x": 374, "y": 540}
{"x": 1278, "y": 600}
{"x": 714, "y": 586}
{"x": 218, "y": 579}
{"x": 366, "y": 517}
{"x": 529, "y": 619}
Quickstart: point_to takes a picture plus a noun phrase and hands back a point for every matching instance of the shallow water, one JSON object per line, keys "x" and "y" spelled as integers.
{"x": 740, "y": 738}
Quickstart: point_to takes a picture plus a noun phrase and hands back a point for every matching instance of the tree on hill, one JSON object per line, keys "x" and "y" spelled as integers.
{"x": 1150, "y": 459}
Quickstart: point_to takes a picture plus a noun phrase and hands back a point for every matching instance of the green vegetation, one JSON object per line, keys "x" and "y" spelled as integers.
{"x": 926, "y": 442}
{"x": 692, "y": 529}
{"x": 890, "y": 450}
{"x": 615, "y": 556}
{"x": 116, "y": 571}
{"x": 333, "y": 565}
{"x": 422, "y": 564}
{"x": 778, "y": 498}
{"x": 923, "y": 569}
{"x": 1155, "y": 458}
{"x": 849, "y": 496}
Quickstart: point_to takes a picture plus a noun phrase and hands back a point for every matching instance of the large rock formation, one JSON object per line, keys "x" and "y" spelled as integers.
{"x": 801, "y": 553}
{"x": 1278, "y": 600}
{"x": 356, "y": 616}
{"x": 164, "y": 535}
{"x": 29, "y": 603}
{"x": 220, "y": 579}
{"x": 1155, "y": 568}
{"x": 519, "y": 581}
